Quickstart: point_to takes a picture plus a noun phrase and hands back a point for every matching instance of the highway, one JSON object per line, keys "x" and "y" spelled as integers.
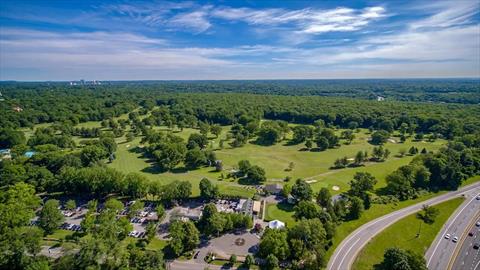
{"x": 443, "y": 252}
{"x": 469, "y": 258}
{"x": 346, "y": 252}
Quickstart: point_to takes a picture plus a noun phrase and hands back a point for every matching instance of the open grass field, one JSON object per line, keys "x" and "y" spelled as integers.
{"x": 403, "y": 233}
{"x": 312, "y": 166}
{"x": 282, "y": 211}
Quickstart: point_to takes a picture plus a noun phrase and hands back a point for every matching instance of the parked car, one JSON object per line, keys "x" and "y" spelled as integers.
{"x": 455, "y": 239}
{"x": 447, "y": 236}
{"x": 477, "y": 224}
{"x": 471, "y": 233}
{"x": 476, "y": 245}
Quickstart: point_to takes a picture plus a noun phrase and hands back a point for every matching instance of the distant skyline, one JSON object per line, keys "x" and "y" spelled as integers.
{"x": 222, "y": 40}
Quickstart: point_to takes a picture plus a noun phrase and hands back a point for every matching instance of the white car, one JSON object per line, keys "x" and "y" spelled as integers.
{"x": 447, "y": 236}
{"x": 455, "y": 239}
{"x": 477, "y": 224}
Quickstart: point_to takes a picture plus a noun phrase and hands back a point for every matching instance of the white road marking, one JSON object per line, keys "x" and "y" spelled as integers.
{"x": 435, "y": 249}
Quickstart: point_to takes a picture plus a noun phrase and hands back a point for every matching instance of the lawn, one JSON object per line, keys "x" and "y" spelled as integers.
{"x": 313, "y": 166}
{"x": 156, "y": 244}
{"x": 403, "y": 233}
{"x": 282, "y": 211}
{"x": 129, "y": 159}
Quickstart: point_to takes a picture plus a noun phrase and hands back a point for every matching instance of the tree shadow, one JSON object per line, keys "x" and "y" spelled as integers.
{"x": 291, "y": 143}
{"x": 284, "y": 206}
{"x": 153, "y": 169}
{"x": 262, "y": 142}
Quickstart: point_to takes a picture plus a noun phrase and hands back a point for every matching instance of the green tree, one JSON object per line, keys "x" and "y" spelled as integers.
{"x": 10, "y": 138}
{"x": 197, "y": 140}
{"x": 114, "y": 205}
{"x": 362, "y": 182}
{"x": 256, "y": 174}
{"x": 302, "y": 191}
{"x": 216, "y": 130}
{"x": 92, "y": 154}
{"x": 244, "y": 166}
{"x": 309, "y": 144}
{"x": 195, "y": 158}
{"x": 428, "y": 214}
{"x": 356, "y": 207}
{"x": 160, "y": 212}
{"x": 184, "y": 237}
{"x": 305, "y": 209}
{"x": 208, "y": 191}
{"x": 50, "y": 217}
{"x": 204, "y": 128}
{"x": 301, "y": 133}
{"x": 322, "y": 143}
{"x": 380, "y": 137}
{"x": 271, "y": 262}
{"x": 134, "y": 208}
{"x": 398, "y": 259}
{"x": 249, "y": 261}
{"x": 150, "y": 231}
{"x": 169, "y": 155}
{"x": 233, "y": 259}
{"x": 70, "y": 205}
{"x": 324, "y": 197}
{"x": 274, "y": 242}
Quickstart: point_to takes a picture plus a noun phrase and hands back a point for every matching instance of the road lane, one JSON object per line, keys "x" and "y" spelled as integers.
{"x": 346, "y": 252}
{"x": 442, "y": 252}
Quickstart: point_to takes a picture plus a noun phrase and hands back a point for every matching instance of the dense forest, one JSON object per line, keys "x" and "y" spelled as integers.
{"x": 24, "y": 105}
{"x": 429, "y": 90}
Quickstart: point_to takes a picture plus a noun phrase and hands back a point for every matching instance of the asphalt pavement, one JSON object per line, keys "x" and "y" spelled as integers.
{"x": 443, "y": 251}
{"x": 346, "y": 252}
{"x": 468, "y": 257}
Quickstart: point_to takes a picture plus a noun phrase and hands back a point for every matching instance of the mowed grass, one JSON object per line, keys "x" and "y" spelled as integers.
{"x": 129, "y": 158}
{"x": 403, "y": 233}
{"x": 312, "y": 166}
{"x": 282, "y": 211}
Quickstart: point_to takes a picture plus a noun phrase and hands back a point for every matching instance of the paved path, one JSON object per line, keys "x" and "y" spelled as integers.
{"x": 346, "y": 252}
{"x": 444, "y": 252}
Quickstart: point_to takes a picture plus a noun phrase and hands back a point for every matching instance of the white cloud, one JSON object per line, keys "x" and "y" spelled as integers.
{"x": 311, "y": 21}
{"x": 195, "y": 20}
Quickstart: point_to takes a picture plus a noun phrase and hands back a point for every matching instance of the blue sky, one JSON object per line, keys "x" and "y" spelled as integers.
{"x": 137, "y": 40}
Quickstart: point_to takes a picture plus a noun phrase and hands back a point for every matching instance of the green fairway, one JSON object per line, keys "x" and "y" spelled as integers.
{"x": 312, "y": 166}
{"x": 403, "y": 233}
{"x": 282, "y": 211}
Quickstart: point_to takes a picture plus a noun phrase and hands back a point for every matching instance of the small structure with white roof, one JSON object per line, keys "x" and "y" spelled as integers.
{"x": 276, "y": 224}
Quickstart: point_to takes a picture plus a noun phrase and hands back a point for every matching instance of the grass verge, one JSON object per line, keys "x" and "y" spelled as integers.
{"x": 403, "y": 234}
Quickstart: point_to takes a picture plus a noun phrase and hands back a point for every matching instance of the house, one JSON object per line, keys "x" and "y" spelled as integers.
{"x": 276, "y": 224}
{"x": 380, "y": 98}
{"x": 5, "y": 154}
{"x": 273, "y": 188}
{"x": 291, "y": 199}
{"x": 17, "y": 109}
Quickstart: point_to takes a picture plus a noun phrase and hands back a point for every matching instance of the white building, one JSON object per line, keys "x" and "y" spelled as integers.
{"x": 276, "y": 224}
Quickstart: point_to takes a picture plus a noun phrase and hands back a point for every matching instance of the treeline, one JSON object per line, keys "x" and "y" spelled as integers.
{"x": 71, "y": 106}
{"x": 445, "y": 169}
{"x": 432, "y": 90}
